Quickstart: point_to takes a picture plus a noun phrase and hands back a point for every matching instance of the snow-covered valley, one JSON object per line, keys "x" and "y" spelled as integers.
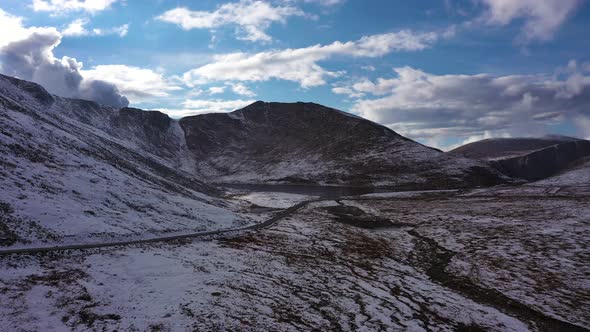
{"x": 432, "y": 264}
{"x": 454, "y": 256}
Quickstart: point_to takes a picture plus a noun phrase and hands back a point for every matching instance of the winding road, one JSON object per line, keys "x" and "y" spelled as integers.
{"x": 274, "y": 219}
{"x": 271, "y": 221}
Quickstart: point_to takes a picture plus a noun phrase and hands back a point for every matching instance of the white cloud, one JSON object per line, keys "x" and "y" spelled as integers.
{"x": 301, "y": 65}
{"x": 241, "y": 89}
{"x": 251, "y": 17}
{"x": 77, "y": 28}
{"x": 326, "y": 3}
{"x": 121, "y": 31}
{"x": 195, "y": 92}
{"x": 426, "y": 106}
{"x": 199, "y": 106}
{"x": 62, "y": 6}
{"x": 180, "y": 60}
{"x": 27, "y": 53}
{"x": 363, "y": 86}
{"x": 214, "y": 90}
{"x": 344, "y": 90}
{"x": 14, "y": 24}
{"x": 138, "y": 84}
{"x": 541, "y": 18}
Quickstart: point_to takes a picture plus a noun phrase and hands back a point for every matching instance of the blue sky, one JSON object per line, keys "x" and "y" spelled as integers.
{"x": 440, "y": 72}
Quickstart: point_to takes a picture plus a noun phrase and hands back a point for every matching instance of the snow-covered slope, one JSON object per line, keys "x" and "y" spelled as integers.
{"x": 65, "y": 174}
{"x": 577, "y": 174}
{"x": 310, "y": 143}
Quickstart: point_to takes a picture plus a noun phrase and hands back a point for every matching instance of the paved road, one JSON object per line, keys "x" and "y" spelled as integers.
{"x": 277, "y": 217}
{"x": 281, "y": 215}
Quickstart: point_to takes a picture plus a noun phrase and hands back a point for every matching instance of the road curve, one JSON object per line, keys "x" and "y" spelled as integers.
{"x": 274, "y": 219}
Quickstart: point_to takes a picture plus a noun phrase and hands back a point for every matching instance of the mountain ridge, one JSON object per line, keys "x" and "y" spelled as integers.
{"x": 269, "y": 143}
{"x": 266, "y": 141}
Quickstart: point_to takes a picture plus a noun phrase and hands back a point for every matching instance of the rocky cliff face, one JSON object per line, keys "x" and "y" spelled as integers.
{"x": 150, "y": 131}
{"x": 310, "y": 143}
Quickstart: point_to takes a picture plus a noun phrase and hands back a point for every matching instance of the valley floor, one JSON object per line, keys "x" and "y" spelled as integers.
{"x": 498, "y": 260}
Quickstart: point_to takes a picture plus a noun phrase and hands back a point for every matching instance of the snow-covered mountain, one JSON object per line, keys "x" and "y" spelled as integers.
{"x": 74, "y": 169}
{"x": 310, "y": 143}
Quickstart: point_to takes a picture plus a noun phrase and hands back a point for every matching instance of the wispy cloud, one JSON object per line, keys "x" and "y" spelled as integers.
{"x": 251, "y": 17}
{"x": 77, "y": 28}
{"x": 63, "y": 6}
{"x": 301, "y": 65}
{"x": 242, "y": 90}
{"x": 326, "y": 2}
{"x": 542, "y": 18}
{"x": 215, "y": 90}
